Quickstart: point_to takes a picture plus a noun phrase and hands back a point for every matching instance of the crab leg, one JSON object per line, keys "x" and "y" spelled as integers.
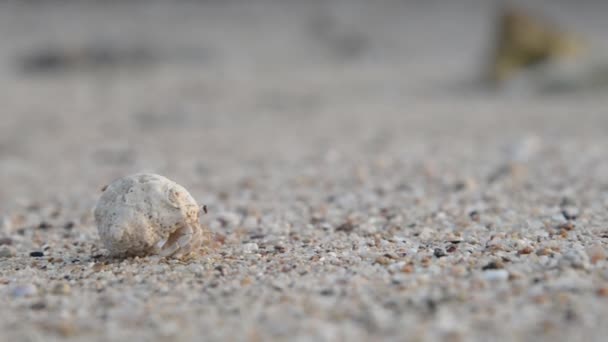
{"x": 180, "y": 238}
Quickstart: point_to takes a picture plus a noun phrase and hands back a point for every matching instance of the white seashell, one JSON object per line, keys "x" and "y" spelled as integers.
{"x": 144, "y": 214}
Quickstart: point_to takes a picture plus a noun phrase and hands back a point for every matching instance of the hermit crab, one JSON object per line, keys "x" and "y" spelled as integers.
{"x": 145, "y": 214}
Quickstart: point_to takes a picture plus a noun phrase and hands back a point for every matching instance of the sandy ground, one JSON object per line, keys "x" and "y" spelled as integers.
{"x": 358, "y": 186}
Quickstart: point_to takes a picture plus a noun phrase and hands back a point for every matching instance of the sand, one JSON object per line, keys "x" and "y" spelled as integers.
{"x": 358, "y": 186}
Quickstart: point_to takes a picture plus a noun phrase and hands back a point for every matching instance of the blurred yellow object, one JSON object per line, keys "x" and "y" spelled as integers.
{"x": 524, "y": 41}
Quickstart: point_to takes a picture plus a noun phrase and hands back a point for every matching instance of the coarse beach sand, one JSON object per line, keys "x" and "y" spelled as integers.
{"x": 359, "y": 185}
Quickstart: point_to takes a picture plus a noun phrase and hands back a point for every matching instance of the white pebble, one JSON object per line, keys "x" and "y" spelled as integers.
{"x": 26, "y": 290}
{"x": 229, "y": 219}
{"x": 494, "y": 275}
{"x": 251, "y": 247}
{"x": 5, "y": 224}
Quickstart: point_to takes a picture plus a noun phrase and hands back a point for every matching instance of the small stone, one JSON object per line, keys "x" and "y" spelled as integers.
{"x": 525, "y": 250}
{"x": 38, "y": 306}
{"x": 44, "y": 225}
{"x": 493, "y": 265}
{"x": 98, "y": 267}
{"x": 37, "y": 254}
{"x": 465, "y": 184}
{"x": 61, "y": 289}
{"x": 327, "y": 292}
{"x": 602, "y": 291}
{"x": 493, "y": 275}
{"x": 409, "y": 268}
{"x": 246, "y": 281}
{"x": 6, "y": 241}
{"x": 382, "y": 260}
{"x": 396, "y": 267}
{"x": 229, "y": 219}
{"x": 5, "y": 224}
{"x": 524, "y": 149}
{"x": 568, "y": 226}
{"x": 250, "y": 223}
{"x": 596, "y": 253}
{"x": 251, "y": 247}
{"x": 26, "y": 290}
{"x": 7, "y": 252}
{"x": 199, "y": 270}
{"x": 346, "y": 227}
{"x": 63, "y": 328}
{"x": 474, "y": 215}
{"x": 570, "y": 213}
{"x": 439, "y": 252}
{"x": 574, "y": 259}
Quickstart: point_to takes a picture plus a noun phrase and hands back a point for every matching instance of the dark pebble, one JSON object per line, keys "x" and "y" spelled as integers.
{"x": 439, "y": 252}
{"x": 474, "y": 215}
{"x": 327, "y": 292}
{"x": 38, "y": 306}
{"x": 569, "y": 214}
{"x": 44, "y": 225}
{"x": 345, "y": 227}
{"x": 36, "y": 254}
{"x": 494, "y": 265}
{"x": 220, "y": 269}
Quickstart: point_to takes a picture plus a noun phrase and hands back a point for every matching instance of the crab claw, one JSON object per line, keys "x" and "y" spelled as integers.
{"x": 183, "y": 241}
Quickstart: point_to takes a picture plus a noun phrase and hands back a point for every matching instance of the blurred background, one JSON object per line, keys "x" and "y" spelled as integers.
{"x": 198, "y": 90}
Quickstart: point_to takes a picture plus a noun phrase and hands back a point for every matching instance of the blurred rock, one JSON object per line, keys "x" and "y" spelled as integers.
{"x": 94, "y": 56}
{"x": 525, "y": 41}
{"x": 7, "y": 252}
{"x": 26, "y": 290}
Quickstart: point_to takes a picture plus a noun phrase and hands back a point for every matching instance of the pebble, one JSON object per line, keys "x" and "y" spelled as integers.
{"x": 44, "y": 225}
{"x": 229, "y": 219}
{"x": 382, "y": 260}
{"x": 494, "y": 275}
{"x": 251, "y": 247}
{"x": 38, "y": 306}
{"x": 574, "y": 259}
{"x": 5, "y": 224}
{"x": 196, "y": 269}
{"x": 596, "y": 253}
{"x": 25, "y": 290}
{"x": 439, "y": 252}
{"x": 250, "y": 223}
{"x": 62, "y": 289}
{"x": 7, "y": 252}
{"x": 37, "y": 254}
{"x": 493, "y": 265}
{"x": 570, "y": 212}
{"x": 524, "y": 149}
